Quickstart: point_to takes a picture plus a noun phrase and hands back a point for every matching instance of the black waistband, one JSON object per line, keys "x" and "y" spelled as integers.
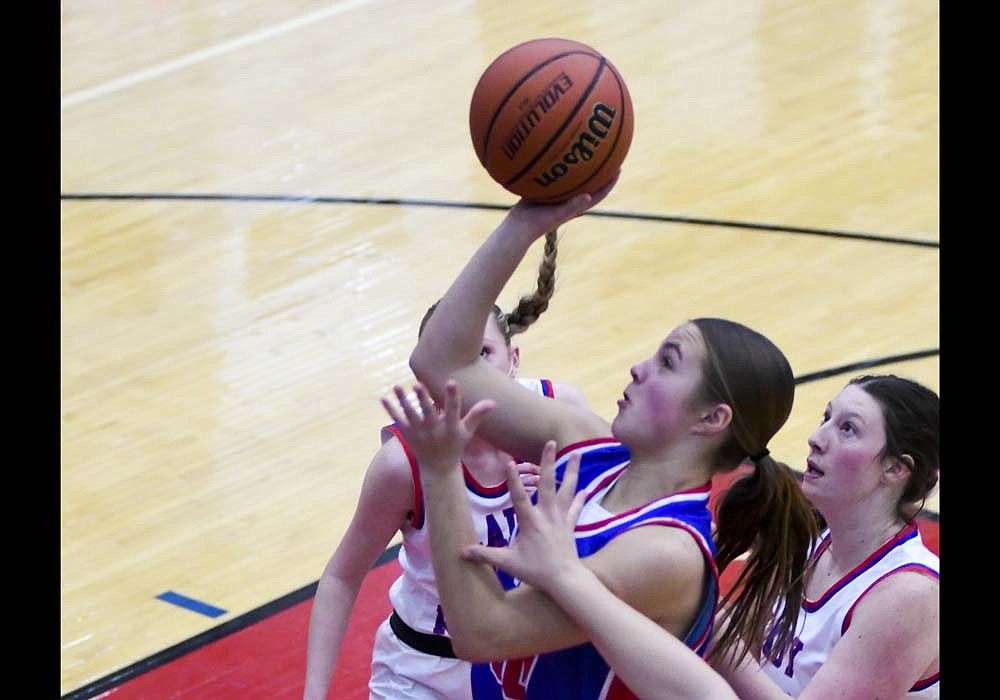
{"x": 433, "y": 644}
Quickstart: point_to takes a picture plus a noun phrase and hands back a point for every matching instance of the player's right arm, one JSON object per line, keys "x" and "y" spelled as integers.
{"x": 385, "y": 501}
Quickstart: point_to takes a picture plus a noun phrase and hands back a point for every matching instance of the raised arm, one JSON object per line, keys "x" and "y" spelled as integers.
{"x": 386, "y": 497}
{"x": 451, "y": 341}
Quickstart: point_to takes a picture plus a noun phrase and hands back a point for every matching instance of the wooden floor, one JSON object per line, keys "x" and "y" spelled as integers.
{"x": 260, "y": 199}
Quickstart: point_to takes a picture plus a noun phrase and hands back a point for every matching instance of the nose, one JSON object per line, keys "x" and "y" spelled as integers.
{"x": 634, "y": 371}
{"x": 816, "y": 441}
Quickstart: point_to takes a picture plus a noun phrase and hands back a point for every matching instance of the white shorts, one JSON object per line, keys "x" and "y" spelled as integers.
{"x": 400, "y": 672}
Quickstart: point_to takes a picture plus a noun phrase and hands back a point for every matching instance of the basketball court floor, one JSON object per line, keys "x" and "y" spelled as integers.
{"x": 260, "y": 199}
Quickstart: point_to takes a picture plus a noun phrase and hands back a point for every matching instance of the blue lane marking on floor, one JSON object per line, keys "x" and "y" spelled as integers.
{"x": 191, "y": 604}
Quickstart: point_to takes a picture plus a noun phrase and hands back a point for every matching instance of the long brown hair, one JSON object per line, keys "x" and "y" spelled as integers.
{"x": 764, "y": 514}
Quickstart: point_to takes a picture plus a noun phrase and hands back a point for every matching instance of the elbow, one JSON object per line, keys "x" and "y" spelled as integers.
{"x": 418, "y": 365}
{"x": 468, "y": 650}
{"x": 478, "y": 644}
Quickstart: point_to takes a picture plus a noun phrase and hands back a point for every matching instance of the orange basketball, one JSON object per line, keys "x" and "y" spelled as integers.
{"x": 551, "y": 118}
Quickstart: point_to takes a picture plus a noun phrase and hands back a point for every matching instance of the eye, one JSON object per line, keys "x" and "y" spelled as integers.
{"x": 825, "y": 418}
{"x": 485, "y": 352}
{"x": 848, "y": 427}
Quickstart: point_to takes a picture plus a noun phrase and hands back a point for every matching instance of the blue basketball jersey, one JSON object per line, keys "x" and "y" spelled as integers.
{"x": 580, "y": 672}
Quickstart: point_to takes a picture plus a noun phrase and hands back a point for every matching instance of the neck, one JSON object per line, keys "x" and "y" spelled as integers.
{"x": 486, "y": 463}
{"x": 856, "y": 534}
{"x": 647, "y": 479}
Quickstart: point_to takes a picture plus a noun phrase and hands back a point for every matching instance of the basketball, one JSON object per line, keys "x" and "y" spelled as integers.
{"x": 551, "y": 118}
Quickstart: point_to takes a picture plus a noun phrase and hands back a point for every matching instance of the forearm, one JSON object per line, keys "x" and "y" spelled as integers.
{"x": 328, "y": 620}
{"x": 452, "y": 337}
{"x": 470, "y": 593}
{"x": 747, "y": 678}
{"x": 650, "y": 660}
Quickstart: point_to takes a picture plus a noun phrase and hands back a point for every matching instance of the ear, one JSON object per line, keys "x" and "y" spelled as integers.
{"x": 897, "y": 469}
{"x": 515, "y": 360}
{"x": 714, "y": 419}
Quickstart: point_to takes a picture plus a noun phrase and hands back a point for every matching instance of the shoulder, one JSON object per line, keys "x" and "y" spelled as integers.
{"x": 570, "y": 393}
{"x": 911, "y": 589}
{"x": 902, "y": 604}
{"x": 391, "y": 467}
{"x": 669, "y": 555}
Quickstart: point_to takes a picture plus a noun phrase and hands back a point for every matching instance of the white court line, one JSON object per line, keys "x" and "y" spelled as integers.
{"x": 198, "y": 56}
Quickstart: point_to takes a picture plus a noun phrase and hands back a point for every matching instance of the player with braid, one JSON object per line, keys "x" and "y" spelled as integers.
{"x": 709, "y": 397}
{"x": 412, "y": 656}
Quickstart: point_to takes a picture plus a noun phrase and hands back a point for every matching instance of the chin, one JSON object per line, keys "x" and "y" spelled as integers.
{"x": 617, "y": 432}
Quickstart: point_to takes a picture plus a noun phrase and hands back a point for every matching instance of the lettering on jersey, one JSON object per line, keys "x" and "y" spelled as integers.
{"x": 498, "y": 536}
{"x": 513, "y": 676}
{"x": 439, "y": 626}
{"x": 796, "y": 647}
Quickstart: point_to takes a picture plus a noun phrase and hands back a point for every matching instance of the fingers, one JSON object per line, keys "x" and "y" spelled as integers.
{"x": 494, "y": 556}
{"x": 518, "y": 495}
{"x": 425, "y": 401}
{"x": 570, "y": 476}
{"x": 395, "y": 413}
{"x": 573, "y": 514}
{"x": 528, "y": 474}
{"x": 547, "y": 474}
{"x": 477, "y": 413}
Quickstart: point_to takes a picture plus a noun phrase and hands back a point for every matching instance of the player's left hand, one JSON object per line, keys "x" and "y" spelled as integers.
{"x": 437, "y": 437}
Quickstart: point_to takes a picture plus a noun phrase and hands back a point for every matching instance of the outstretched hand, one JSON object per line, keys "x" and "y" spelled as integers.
{"x": 437, "y": 437}
{"x": 542, "y": 218}
{"x": 545, "y": 547}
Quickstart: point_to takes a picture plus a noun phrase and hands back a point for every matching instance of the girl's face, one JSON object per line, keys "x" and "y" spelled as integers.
{"x": 658, "y": 406}
{"x": 845, "y": 464}
{"x": 496, "y": 351}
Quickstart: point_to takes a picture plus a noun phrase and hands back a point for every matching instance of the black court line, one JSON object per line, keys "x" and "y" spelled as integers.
{"x": 308, "y": 591}
{"x": 295, "y": 597}
{"x": 379, "y": 201}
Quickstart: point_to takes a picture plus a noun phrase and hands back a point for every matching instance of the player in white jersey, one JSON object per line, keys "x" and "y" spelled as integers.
{"x": 412, "y": 655}
{"x": 869, "y": 622}
{"x": 390, "y": 502}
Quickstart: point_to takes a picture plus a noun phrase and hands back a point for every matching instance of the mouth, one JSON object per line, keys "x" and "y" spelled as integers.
{"x": 812, "y": 469}
{"x": 624, "y": 400}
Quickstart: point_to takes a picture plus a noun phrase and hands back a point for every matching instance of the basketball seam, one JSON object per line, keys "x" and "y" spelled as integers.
{"x": 576, "y": 109}
{"x": 506, "y": 98}
{"x": 614, "y": 144}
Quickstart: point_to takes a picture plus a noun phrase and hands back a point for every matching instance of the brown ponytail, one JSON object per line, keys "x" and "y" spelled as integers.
{"x": 765, "y": 515}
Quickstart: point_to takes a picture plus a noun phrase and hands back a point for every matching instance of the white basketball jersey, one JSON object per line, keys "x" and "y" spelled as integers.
{"x": 824, "y": 621}
{"x": 399, "y": 671}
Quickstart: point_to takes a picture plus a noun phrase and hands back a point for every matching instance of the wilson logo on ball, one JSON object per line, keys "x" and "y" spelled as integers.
{"x": 551, "y": 118}
{"x": 600, "y": 124}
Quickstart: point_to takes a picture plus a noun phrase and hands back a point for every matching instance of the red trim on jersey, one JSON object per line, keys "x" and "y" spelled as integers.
{"x": 904, "y": 534}
{"x": 417, "y": 515}
{"x": 705, "y": 488}
{"x": 583, "y": 443}
{"x": 487, "y": 491}
{"x": 916, "y": 568}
